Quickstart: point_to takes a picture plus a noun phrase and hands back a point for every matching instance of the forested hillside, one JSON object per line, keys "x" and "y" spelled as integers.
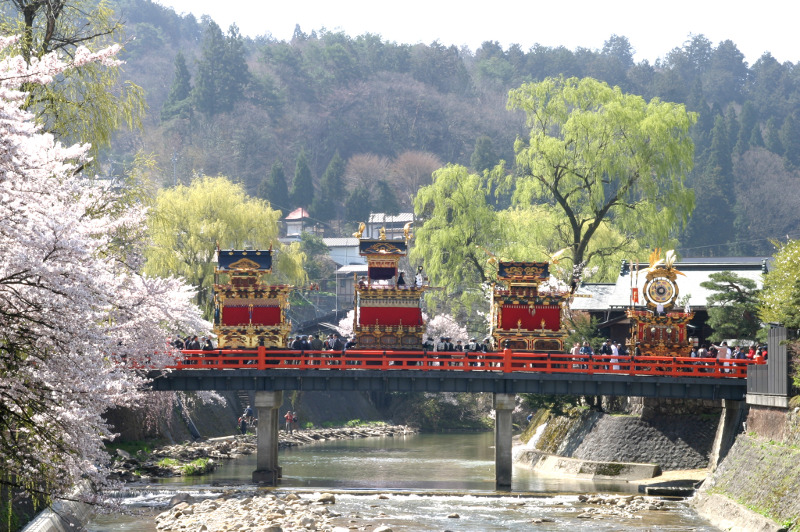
{"x": 223, "y": 104}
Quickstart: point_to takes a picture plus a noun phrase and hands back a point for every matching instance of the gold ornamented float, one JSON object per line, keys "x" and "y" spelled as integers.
{"x": 248, "y": 312}
{"x": 527, "y": 316}
{"x": 388, "y": 311}
{"x": 659, "y": 329}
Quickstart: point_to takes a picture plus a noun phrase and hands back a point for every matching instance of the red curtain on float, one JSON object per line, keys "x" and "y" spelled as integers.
{"x": 513, "y": 314}
{"x": 235, "y": 316}
{"x": 232, "y": 316}
{"x": 267, "y": 315}
{"x": 390, "y": 316}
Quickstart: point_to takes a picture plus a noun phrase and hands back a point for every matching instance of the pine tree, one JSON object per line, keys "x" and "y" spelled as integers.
{"x": 326, "y": 205}
{"x": 274, "y": 189}
{"x": 178, "y": 103}
{"x": 303, "y": 184}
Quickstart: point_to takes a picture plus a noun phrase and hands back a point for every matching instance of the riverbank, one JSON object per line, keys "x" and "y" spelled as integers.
{"x": 195, "y": 458}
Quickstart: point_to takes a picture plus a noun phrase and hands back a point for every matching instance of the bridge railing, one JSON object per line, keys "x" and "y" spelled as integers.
{"x": 506, "y": 361}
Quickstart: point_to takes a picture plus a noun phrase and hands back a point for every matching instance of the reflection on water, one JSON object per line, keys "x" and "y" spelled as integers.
{"x": 459, "y": 462}
{"x": 431, "y": 476}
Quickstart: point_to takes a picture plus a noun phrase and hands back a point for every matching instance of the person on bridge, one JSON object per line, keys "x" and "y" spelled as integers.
{"x": 316, "y": 343}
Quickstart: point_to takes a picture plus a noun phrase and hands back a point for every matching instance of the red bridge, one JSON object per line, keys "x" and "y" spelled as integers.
{"x": 506, "y": 361}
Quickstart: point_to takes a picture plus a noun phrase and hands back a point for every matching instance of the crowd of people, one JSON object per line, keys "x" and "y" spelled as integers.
{"x": 313, "y": 342}
{"x": 193, "y": 343}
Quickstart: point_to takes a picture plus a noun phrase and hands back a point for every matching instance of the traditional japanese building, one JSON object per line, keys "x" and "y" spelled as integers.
{"x": 527, "y": 317}
{"x": 248, "y": 312}
{"x": 388, "y": 312}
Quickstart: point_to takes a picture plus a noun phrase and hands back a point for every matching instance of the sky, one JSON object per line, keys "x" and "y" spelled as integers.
{"x": 653, "y": 28}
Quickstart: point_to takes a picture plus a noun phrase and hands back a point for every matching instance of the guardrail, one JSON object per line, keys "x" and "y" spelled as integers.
{"x": 506, "y": 361}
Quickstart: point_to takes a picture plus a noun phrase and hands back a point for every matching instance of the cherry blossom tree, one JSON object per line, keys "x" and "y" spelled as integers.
{"x": 76, "y": 317}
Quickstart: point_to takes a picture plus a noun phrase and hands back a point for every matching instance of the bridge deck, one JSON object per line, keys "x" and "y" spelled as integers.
{"x": 502, "y": 372}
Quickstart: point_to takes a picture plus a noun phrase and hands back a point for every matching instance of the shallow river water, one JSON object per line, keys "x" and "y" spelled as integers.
{"x": 427, "y": 477}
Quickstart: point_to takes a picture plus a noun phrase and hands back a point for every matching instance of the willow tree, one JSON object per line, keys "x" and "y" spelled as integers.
{"x": 600, "y": 155}
{"x": 85, "y": 104}
{"x": 458, "y": 240}
{"x": 187, "y": 223}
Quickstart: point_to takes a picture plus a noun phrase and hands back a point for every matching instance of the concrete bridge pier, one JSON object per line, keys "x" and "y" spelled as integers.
{"x": 267, "y": 469}
{"x": 503, "y": 407}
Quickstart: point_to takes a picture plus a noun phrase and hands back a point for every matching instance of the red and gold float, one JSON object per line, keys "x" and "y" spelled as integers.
{"x": 527, "y": 317}
{"x": 248, "y": 312}
{"x": 659, "y": 328}
{"x": 388, "y": 312}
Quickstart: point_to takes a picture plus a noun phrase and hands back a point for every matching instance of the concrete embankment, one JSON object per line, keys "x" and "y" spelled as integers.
{"x": 560, "y": 466}
{"x": 757, "y": 485}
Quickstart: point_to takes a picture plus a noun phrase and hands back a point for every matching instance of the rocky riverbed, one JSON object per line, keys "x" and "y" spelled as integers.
{"x": 282, "y": 512}
{"x": 193, "y": 458}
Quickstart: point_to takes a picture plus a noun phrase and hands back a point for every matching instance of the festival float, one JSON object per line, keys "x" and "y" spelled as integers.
{"x": 248, "y": 311}
{"x": 659, "y": 329}
{"x": 388, "y": 307}
{"x": 528, "y": 312}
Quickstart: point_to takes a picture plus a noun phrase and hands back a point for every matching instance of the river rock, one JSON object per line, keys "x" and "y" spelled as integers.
{"x": 326, "y": 498}
{"x": 382, "y": 528}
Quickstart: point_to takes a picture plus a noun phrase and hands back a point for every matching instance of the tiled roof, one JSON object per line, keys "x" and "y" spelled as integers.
{"x": 297, "y": 214}
{"x": 695, "y": 272}
{"x": 341, "y": 242}
{"x": 353, "y": 268}
{"x": 592, "y": 296}
{"x": 382, "y": 218}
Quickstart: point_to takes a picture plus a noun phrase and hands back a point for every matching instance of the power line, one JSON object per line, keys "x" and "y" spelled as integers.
{"x": 788, "y": 236}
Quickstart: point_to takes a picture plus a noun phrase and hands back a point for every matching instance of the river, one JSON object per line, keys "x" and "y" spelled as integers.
{"x": 427, "y": 476}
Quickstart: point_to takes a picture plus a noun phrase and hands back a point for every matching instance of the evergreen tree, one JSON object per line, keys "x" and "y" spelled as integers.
{"x": 274, "y": 189}
{"x": 713, "y": 218}
{"x": 773, "y": 140}
{"x": 732, "y": 307}
{"x": 178, "y": 103}
{"x": 732, "y": 126}
{"x": 303, "y": 184}
{"x": 720, "y": 150}
{"x": 237, "y": 75}
{"x": 483, "y": 157}
{"x": 748, "y": 119}
{"x": 385, "y": 198}
{"x": 222, "y": 72}
{"x": 790, "y": 140}
{"x": 358, "y": 205}
{"x": 326, "y": 205}
{"x": 210, "y": 71}
{"x": 756, "y": 140}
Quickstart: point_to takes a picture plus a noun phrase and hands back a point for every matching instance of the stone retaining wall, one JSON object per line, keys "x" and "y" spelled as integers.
{"x": 672, "y": 442}
{"x": 761, "y": 473}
